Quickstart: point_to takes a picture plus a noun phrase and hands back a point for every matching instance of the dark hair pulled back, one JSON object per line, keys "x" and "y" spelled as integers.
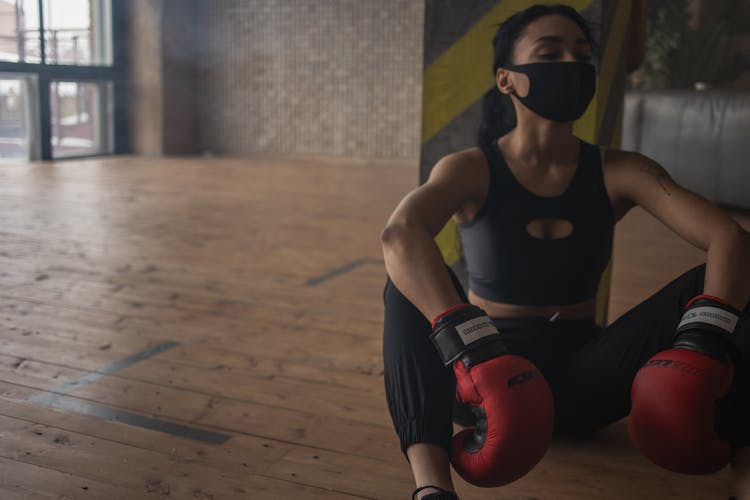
{"x": 498, "y": 114}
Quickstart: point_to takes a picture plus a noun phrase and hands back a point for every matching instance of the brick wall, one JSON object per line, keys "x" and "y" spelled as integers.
{"x": 321, "y": 77}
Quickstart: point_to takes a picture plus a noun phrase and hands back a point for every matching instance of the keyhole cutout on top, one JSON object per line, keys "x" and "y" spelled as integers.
{"x": 549, "y": 228}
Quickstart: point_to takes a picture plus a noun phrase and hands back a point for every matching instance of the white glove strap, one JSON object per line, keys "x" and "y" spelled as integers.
{"x": 710, "y": 315}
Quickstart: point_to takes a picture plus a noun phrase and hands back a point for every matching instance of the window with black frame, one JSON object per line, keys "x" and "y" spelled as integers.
{"x": 57, "y": 78}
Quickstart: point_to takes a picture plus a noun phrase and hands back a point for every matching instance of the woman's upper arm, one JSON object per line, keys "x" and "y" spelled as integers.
{"x": 641, "y": 181}
{"x": 457, "y": 184}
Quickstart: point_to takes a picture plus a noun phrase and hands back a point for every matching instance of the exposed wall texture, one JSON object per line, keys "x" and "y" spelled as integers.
{"x": 145, "y": 100}
{"x": 163, "y": 101}
{"x": 321, "y": 77}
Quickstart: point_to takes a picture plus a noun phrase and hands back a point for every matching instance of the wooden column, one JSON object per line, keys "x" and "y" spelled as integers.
{"x": 163, "y": 94}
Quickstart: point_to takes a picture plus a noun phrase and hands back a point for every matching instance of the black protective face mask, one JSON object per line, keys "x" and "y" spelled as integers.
{"x": 558, "y": 91}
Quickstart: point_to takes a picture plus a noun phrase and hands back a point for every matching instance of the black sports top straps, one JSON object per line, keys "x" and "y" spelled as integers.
{"x": 507, "y": 264}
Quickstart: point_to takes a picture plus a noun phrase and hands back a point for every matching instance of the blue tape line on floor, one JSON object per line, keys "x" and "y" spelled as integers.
{"x": 113, "y": 368}
{"x": 55, "y": 398}
{"x": 126, "y": 417}
{"x": 341, "y": 270}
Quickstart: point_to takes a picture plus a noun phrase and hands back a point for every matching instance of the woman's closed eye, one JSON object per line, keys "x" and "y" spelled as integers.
{"x": 554, "y": 56}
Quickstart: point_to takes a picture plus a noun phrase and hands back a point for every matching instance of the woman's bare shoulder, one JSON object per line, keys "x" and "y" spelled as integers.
{"x": 466, "y": 174}
{"x": 465, "y": 162}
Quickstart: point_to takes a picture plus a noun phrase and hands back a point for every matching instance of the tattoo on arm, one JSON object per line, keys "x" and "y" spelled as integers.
{"x": 661, "y": 176}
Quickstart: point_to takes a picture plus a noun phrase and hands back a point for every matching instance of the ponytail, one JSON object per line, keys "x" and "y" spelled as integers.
{"x": 498, "y": 116}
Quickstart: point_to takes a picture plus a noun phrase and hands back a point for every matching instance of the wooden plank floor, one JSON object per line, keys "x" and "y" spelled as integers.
{"x": 143, "y": 300}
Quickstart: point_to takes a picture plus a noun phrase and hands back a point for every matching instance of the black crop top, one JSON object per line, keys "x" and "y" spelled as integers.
{"x": 506, "y": 264}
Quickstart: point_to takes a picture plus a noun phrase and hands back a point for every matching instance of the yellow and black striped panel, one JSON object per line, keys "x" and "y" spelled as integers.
{"x": 458, "y": 72}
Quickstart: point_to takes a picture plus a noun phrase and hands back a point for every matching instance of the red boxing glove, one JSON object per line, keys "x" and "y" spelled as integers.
{"x": 674, "y": 396}
{"x": 510, "y": 397}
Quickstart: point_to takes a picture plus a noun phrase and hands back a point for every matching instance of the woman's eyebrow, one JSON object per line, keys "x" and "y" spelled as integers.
{"x": 559, "y": 39}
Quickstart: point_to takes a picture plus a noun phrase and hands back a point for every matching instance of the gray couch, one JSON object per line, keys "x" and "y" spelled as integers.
{"x": 701, "y": 138}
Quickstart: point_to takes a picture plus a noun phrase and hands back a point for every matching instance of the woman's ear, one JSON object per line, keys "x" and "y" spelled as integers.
{"x": 503, "y": 82}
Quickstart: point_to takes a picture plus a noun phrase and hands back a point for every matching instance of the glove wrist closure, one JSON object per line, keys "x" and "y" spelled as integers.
{"x": 711, "y": 327}
{"x": 469, "y": 334}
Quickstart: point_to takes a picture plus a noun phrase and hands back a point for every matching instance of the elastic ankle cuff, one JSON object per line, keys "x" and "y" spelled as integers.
{"x": 441, "y": 493}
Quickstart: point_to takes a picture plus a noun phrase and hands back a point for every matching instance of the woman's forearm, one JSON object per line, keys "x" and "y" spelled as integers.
{"x": 728, "y": 267}
{"x": 415, "y": 265}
